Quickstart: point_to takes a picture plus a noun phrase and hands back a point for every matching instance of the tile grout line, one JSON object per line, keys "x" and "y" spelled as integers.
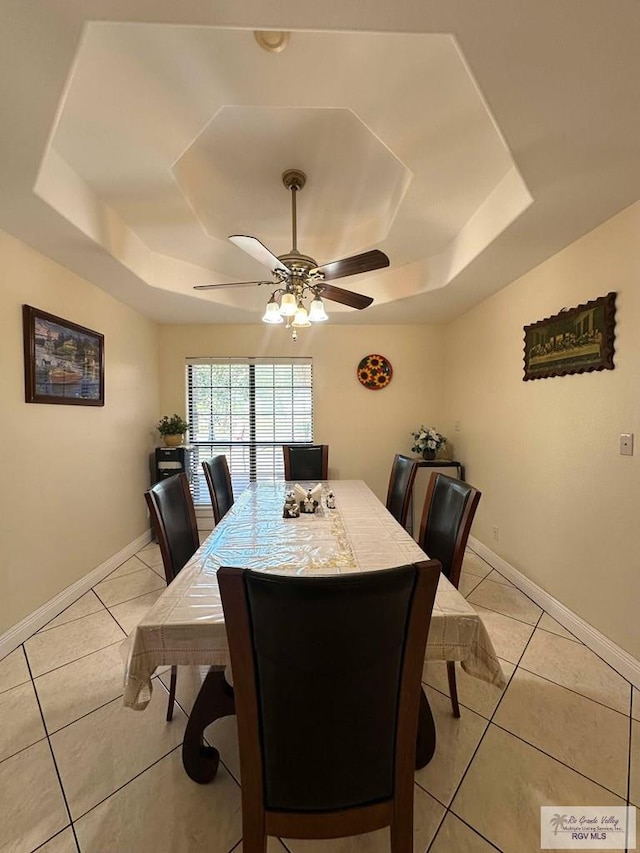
{"x": 576, "y": 641}
{"x": 560, "y": 623}
{"x": 488, "y": 726}
{"x": 571, "y": 689}
{"x": 471, "y": 591}
{"x": 473, "y": 829}
{"x": 109, "y": 578}
{"x": 442, "y": 820}
{"x": 75, "y": 660}
{"x": 88, "y": 713}
{"x": 118, "y": 623}
{"x": 559, "y": 760}
{"x": 517, "y": 666}
{"x": 53, "y": 756}
{"x": 533, "y": 746}
{"x": 133, "y": 597}
{"x": 45, "y": 627}
{"x": 98, "y": 708}
{"x": 128, "y": 782}
{"x": 447, "y": 810}
{"x": 572, "y": 639}
{"x": 143, "y": 771}
{"x": 509, "y": 585}
{"x": 533, "y": 625}
{"x": 600, "y": 658}
{"x": 41, "y": 846}
{"x": 92, "y": 590}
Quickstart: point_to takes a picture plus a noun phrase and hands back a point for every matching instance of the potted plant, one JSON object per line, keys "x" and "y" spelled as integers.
{"x": 427, "y": 441}
{"x": 172, "y": 429}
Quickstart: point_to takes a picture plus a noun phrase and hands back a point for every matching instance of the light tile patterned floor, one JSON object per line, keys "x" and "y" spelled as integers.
{"x": 79, "y": 772}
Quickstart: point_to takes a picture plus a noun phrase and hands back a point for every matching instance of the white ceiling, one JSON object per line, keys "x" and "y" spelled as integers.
{"x": 468, "y": 141}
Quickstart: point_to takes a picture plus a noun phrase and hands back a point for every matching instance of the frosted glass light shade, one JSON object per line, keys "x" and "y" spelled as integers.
{"x": 288, "y": 305}
{"x": 301, "y": 319}
{"x": 272, "y": 312}
{"x": 317, "y": 314}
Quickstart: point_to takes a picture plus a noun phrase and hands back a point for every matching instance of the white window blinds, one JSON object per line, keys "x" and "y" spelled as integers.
{"x": 247, "y": 408}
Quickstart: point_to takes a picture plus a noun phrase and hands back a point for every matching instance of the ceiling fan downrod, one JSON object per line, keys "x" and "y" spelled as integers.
{"x": 294, "y": 180}
{"x": 298, "y": 276}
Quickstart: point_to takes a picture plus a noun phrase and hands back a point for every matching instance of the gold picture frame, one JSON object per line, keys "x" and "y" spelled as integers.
{"x": 576, "y": 340}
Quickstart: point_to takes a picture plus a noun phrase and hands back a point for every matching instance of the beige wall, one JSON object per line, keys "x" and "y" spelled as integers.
{"x": 362, "y": 428}
{"x": 545, "y": 453}
{"x": 72, "y": 476}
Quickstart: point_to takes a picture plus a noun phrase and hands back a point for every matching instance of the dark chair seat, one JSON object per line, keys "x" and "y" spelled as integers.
{"x": 327, "y": 688}
{"x": 174, "y": 521}
{"x": 449, "y": 508}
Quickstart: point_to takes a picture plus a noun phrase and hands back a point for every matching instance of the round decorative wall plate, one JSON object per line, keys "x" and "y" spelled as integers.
{"x": 374, "y": 372}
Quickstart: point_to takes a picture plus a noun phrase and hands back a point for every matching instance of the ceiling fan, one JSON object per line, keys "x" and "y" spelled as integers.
{"x": 297, "y": 275}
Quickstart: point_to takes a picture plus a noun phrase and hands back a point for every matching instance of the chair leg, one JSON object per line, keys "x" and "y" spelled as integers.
{"x": 401, "y": 830}
{"x": 172, "y": 692}
{"x": 254, "y": 837}
{"x": 453, "y": 688}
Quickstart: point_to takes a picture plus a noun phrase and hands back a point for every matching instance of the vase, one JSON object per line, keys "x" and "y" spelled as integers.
{"x": 172, "y": 440}
{"x": 428, "y": 454}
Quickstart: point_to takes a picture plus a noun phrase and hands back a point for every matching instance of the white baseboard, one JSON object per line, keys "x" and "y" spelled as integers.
{"x": 618, "y": 658}
{"x": 28, "y": 626}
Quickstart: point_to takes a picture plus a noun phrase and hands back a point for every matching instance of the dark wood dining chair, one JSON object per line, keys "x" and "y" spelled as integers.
{"x": 216, "y": 473}
{"x": 174, "y": 521}
{"x": 327, "y": 687}
{"x": 306, "y": 461}
{"x": 403, "y": 475}
{"x": 449, "y": 508}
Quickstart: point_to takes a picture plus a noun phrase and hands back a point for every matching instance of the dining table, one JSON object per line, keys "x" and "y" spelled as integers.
{"x": 186, "y": 624}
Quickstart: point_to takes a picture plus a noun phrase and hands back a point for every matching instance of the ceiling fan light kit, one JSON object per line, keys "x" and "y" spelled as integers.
{"x": 272, "y": 313}
{"x": 301, "y": 318}
{"x": 297, "y": 276}
{"x": 317, "y": 313}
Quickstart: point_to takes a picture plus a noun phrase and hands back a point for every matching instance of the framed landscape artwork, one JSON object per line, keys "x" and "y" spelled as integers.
{"x": 63, "y": 362}
{"x": 577, "y": 340}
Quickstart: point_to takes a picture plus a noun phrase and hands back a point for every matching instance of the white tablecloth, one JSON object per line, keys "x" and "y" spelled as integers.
{"x": 186, "y": 624}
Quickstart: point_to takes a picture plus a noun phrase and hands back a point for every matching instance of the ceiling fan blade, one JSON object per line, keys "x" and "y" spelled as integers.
{"x": 346, "y": 297}
{"x": 252, "y": 246}
{"x": 230, "y": 284}
{"x": 366, "y": 262}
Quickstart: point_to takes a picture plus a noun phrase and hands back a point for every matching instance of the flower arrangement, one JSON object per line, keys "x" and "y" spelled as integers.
{"x": 427, "y": 441}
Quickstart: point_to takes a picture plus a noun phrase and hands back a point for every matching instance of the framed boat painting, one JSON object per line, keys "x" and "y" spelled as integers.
{"x": 577, "y": 340}
{"x": 63, "y": 362}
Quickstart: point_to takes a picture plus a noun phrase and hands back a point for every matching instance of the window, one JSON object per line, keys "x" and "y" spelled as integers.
{"x": 247, "y": 408}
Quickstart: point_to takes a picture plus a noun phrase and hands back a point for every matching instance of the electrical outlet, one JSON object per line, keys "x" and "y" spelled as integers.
{"x": 457, "y": 426}
{"x": 626, "y": 444}
{"x": 496, "y": 534}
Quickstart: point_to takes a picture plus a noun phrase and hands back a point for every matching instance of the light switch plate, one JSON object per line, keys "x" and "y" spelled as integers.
{"x": 626, "y": 444}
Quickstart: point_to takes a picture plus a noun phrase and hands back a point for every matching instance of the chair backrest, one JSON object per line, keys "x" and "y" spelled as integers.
{"x": 403, "y": 475}
{"x": 306, "y": 461}
{"x": 327, "y": 682}
{"x": 174, "y": 521}
{"x": 449, "y": 508}
{"x": 216, "y": 473}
